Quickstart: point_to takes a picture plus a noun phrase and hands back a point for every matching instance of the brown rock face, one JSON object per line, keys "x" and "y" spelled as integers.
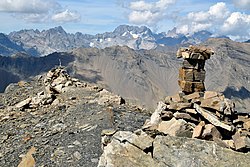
{"x": 192, "y": 73}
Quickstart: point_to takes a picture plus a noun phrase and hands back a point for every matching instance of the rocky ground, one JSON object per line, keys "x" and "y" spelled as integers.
{"x": 57, "y": 120}
{"x": 64, "y": 127}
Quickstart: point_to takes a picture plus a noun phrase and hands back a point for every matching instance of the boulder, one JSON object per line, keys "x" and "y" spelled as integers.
{"x": 211, "y": 94}
{"x": 212, "y": 118}
{"x": 198, "y": 130}
{"x": 246, "y": 125}
{"x": 106, "y": 98}
{"x": 169, "y": 151}
{"x": 183, "y": 152}
{"x": 173, "y": 127}
{"x": 128, "y": 149}
{"x": 214, "y": 103}
{"x": 210, "y": 132}
{"x": 241, "y": 142}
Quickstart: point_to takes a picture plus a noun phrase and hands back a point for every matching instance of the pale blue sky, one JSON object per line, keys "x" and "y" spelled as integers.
{"x": 89, "y": 16}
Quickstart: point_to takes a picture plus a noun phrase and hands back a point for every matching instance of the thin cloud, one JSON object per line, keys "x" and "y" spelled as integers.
{"x": 28, "y": 6}
{"x": 238, "y": 25}
{"x": 204, "y": 20}
{"x": 66, "y": 16}
{"x": 150, "y": 14}
{"x": 243, "y": 4}
{"x": 219, "y": 20}
{"x": 38, "y": 11}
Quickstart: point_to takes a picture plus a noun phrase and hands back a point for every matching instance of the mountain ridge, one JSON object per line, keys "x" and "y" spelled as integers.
{"x": 40, "y": 43}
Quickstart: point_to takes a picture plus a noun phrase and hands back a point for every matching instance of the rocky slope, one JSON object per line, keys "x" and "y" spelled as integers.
{"x": 8, "y": 47}
{"x": 62, "y": 119}
{"x": 148, "y": 76}
{"x": 57, "y": 120}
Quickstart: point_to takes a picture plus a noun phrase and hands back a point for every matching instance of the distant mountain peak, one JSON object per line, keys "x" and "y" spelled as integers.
{"x": 58, "y": 29}
{"x": 172, "y": 33}
{"x": 134, "y": 29}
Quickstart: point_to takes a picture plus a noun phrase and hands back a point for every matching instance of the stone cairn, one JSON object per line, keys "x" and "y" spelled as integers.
{"x": 192, "y": 73}
{"x": 57, "y": 81}
{"x": 197, "y": 113}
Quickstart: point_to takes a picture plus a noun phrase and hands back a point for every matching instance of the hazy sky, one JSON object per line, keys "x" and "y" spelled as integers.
{"x": 226, "y": 17}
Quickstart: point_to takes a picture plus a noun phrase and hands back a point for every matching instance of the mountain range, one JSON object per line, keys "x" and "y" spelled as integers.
{"x": 40, "y": 43}
{"x": 131, "y": 61}
{"x": 142, "y": 76}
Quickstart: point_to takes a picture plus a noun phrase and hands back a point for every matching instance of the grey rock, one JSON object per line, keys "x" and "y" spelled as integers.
{"x": 174, "y": 151}
{"x": 115, "y": 154}
{"x": 169, "y": 151}
{"x": 77, "y": 155}
{"x": 173, "y": 127}
{"x": 211, "y": 118}
{"x": 23, "y": 103}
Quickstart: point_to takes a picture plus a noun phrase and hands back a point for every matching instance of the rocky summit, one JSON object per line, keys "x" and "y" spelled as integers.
{"x": 57, "y": 120}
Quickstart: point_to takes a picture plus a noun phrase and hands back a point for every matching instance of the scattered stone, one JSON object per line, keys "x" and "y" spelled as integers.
{"x": 128, "y": 149}
{"x": 211, "y": 118}
{"x": 107, "y": 97}
{"x": 213, "y": 103}
{"x": 58, "y": 88}
{"x": 191, "y": 111}
{"x": 23, "y": 103}
{"x": 56, "y": 102}
{"x": 228, "y": 107}
{"x": 77, "y": 143}
{"x": 246, "y": 125}
{"x": 185, "y": 116}
{"x": 170, "y": 151}
{"x": 210, "y": 132}
{"x": 68, "y": 83}
{"x": 241, "y": 142}
{"x": 198, "y": 130}
{"x": 28, "y": 160}
{"x": 58, "y": 127}
{"x": 108, "y": 132}
{"x": 229, "y": 143}
{"x": 211, "y": 94}
{"x": 77, "y": 155}
{"x": 172, "y": 127}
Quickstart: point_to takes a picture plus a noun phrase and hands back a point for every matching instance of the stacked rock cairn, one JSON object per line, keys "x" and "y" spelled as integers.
{"x": 192, "y": 73}
{"x": 197, "y": 113}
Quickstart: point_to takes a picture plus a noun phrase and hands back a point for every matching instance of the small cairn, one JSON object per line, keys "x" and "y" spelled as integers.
{"x": 56, "y": 81}
{"x": 192, "y": 73}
